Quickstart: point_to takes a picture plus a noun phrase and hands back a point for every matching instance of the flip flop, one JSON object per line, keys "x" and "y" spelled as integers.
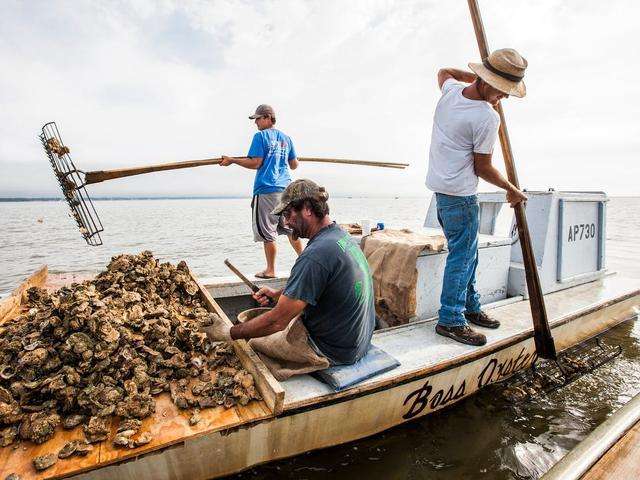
{"x": 262, "y": 275}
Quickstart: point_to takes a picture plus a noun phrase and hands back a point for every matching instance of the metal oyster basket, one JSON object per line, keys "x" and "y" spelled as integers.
{"x": 72, "y": 182}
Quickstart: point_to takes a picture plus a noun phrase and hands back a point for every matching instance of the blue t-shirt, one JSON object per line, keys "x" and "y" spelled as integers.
{"x": 332, "y": 275}
{"x": 276, "y": 149}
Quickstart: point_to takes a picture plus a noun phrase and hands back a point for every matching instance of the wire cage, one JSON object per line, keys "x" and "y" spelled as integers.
{"x": 547, "y": 376}
{"x": 72, "y": 183}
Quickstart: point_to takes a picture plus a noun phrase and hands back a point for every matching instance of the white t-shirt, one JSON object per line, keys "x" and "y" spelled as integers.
{"x": 460, "y": 128}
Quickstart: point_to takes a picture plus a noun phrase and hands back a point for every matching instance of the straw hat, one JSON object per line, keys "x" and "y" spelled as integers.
{"x": 504, "y": 70}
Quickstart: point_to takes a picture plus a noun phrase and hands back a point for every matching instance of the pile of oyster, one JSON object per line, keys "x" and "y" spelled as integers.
{"x": 105, "y": 348}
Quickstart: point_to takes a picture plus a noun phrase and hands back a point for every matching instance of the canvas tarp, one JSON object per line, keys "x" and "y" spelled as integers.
{"x": 392, "y": 256}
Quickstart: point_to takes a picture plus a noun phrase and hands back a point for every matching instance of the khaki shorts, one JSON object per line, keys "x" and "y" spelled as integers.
{"x": 267, "y": 227}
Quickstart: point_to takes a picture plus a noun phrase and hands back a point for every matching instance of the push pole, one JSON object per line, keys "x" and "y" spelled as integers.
{"x": 545, "y": 346}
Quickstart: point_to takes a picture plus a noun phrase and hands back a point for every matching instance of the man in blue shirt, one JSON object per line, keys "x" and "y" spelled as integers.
{"x": 272, "y": 154}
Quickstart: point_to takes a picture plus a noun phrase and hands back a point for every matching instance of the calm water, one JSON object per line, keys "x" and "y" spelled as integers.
{"x": 481, "y": 437}
{"x": 202, "y": 232}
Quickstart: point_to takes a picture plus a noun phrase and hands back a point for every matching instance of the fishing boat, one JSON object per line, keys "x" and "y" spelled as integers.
{"x": 301, "y": 414}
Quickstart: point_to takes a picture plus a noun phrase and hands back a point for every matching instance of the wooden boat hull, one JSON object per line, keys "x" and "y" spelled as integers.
{"x": 358, "y": 413}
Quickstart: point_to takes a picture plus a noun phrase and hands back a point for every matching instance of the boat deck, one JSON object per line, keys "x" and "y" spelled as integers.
{"x": 420, "y": 350}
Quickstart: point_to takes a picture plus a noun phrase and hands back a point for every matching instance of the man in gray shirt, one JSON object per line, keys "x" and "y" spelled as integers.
{"x": 330, "y": 286}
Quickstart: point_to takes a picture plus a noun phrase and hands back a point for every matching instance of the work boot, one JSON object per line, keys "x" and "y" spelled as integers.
{"x": 481, "y": 319}
{"x": 462, "y": 334}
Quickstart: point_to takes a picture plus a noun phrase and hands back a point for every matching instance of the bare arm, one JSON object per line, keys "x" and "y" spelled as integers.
{"x": 486, "y": 171}
{"x": 246, "y": 162}
{"x": 460, "y": 75}
{"x": 293, "y": 163}
{"x": 270, "y": 322}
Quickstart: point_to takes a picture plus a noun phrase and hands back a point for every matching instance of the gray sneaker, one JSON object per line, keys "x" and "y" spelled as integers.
{"x": 462, "y": 334}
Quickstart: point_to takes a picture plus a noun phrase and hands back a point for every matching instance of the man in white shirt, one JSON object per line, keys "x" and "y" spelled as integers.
{"x": 465, "y": 127}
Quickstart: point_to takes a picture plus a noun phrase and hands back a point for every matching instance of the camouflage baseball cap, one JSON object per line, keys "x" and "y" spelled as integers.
{"x": 299, "y": 190}
{"x": 263, "y": 111}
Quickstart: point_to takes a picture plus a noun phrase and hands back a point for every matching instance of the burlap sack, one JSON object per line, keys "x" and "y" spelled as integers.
{"x": 288, "y": 352}
{"x": 392, "y": 256}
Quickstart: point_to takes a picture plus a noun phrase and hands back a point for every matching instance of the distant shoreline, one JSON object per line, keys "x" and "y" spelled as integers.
{"x": 208, "y": 197}
{"x": 61, "y": 199}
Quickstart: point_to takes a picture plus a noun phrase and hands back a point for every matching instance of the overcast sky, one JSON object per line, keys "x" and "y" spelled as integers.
{"x": 138, "y": 82}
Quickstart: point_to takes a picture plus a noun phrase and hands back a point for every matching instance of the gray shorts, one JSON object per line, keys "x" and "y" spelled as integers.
{"x": 267, "y": 227}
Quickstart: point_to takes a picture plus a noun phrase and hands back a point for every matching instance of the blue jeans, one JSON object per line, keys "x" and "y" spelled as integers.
{"x": 458, "y": 217}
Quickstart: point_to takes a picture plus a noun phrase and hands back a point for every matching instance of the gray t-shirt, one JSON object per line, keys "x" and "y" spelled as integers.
{"x": 332, "y": 275}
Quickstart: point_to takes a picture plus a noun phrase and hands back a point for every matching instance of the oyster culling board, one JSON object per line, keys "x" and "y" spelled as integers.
{"x": 113, "y": 367}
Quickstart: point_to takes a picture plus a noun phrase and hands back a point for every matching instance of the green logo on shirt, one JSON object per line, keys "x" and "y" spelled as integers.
{"x": 363, "y": 289}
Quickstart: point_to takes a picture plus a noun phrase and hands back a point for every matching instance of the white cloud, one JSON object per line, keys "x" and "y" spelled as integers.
{"x": 146, "y": 82}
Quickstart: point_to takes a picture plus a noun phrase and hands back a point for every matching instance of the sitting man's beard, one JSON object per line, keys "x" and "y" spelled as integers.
{"x": 297, "y": 229}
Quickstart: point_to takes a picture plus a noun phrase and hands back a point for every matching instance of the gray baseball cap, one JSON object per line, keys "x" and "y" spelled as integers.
{"x": 299, "y": 190}
{"x": 263, "y": 111}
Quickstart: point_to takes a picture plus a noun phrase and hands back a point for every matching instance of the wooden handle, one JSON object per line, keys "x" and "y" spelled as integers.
{"x": 545, "y": 346}
{"x": 367, "y": 163}
{"x": 254, "y": 288}
{"x": 102, "y": 175}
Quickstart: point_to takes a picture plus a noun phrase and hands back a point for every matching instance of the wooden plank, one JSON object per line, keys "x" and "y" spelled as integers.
{"x": 621, "y": 461}
{"x": 9, "y": 305}
{"x": 270, "y": 389}
{"x": 19, "y": 460}
{"x": 170, "y": 425}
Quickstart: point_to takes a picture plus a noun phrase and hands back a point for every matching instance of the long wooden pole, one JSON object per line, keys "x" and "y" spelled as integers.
{"x": 545, "y": 346}
{"x": 103, "y": 175}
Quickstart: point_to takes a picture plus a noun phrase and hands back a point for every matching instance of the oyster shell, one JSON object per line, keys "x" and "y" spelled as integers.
{"x": 129, "y": 424}
{"x": 82, "y": 448}
{"x": 95, "y": 430}
{"x": 72, "y": 421}
{"x": 195, "y": 417}
{"x": 68, "y": 449}
{"x": 39, "y": 427}
{"x": 123, "y": 439}
{"x": 8, "y": 435}
{"x": 143, "y": 439}
{"x": 43, "y": 462}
